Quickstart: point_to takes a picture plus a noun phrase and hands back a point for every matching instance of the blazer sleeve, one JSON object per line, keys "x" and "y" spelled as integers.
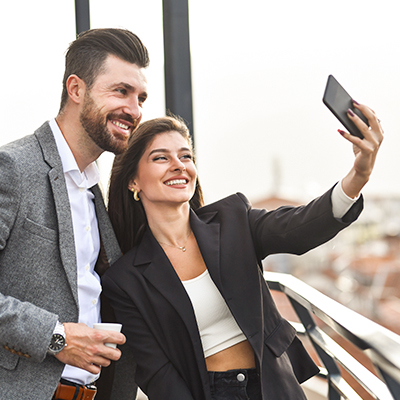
{"x": 155, "y": 374}
{"x": 25, "y": 330}
{"x": 296, "y": 230}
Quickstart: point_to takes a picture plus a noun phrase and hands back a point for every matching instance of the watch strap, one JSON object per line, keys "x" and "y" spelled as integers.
{"x": 59, "y": 328}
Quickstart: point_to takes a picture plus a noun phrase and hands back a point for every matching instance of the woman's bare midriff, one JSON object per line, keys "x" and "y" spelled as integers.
{"x": 239, "y": 356}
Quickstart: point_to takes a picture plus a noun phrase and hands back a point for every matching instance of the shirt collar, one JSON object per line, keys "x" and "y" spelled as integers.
{"x": 89, "y": 177}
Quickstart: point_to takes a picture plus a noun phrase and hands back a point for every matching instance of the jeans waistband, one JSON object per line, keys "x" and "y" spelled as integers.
{"x": 233, "y": 377}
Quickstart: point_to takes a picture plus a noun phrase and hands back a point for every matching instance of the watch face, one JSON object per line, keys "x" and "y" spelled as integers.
{"x": 57, "y": 342}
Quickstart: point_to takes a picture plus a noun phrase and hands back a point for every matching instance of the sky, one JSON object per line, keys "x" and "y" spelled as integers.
{"x": 259, "y": 70}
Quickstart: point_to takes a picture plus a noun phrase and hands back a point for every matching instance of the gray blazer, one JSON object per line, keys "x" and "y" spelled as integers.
{"x": 38, "y": 272}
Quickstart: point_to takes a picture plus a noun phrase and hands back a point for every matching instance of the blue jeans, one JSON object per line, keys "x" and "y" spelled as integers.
{"x": 236, "y": 384}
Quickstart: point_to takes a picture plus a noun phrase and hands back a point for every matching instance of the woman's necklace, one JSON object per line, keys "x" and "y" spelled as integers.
{"x": 182, "y": 248}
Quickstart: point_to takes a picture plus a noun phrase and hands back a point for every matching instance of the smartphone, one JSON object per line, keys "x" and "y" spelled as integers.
{"x": 339, "y": 101}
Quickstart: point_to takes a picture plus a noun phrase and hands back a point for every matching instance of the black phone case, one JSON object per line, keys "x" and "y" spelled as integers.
{"x": 339, "y": 101}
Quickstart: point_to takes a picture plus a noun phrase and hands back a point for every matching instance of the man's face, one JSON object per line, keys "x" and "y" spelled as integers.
{"x": 112, "y": 108}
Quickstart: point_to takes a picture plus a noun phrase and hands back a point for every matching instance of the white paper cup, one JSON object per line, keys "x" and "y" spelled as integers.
{"x": 108, "y": 327}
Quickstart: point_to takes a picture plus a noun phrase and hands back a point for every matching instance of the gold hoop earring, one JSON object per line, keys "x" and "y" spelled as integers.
{"x": 135, "y": 193}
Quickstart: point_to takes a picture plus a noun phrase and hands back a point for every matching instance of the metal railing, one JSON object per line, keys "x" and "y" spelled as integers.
{"x": 381, "y": 345}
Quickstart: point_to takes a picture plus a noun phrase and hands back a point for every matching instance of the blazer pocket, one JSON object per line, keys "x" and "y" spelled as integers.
{"x": 7, "y": 360}
{"x": 280, "y": 338}
{"x": 40, "y": 230}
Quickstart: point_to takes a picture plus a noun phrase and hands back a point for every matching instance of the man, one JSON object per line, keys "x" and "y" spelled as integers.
{"x": 55, "y": 235}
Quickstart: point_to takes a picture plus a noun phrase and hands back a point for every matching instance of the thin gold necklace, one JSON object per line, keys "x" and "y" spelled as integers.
{"x": 182, "y": 248}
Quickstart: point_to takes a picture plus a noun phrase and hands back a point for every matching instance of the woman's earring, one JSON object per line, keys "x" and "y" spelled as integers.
{"x": 135, "y": 194}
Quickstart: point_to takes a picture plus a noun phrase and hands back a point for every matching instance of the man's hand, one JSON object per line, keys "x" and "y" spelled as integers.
{"x": 85, "y": 347}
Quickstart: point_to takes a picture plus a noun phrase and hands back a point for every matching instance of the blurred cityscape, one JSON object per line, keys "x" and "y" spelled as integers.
{"x": 360, "y": 267}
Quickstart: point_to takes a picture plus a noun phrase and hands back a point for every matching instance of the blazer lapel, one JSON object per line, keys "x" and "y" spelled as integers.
{"x": 163, "y": 277}
{"x": 109, "y": 243}
{"x": 207, "y": 235}
{"x": 57, "y": 182}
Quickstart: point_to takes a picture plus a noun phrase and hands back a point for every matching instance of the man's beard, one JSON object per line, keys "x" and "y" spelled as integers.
{"x": 95, "y": 124}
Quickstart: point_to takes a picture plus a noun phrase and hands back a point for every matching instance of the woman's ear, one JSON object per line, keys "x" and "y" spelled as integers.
{"x": 133, "y": 186}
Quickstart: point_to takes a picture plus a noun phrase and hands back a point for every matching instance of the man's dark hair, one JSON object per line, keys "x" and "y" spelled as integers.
{"x": 86, "y": 55}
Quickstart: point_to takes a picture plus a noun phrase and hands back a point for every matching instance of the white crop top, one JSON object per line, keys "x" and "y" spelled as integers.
{"x": 218, "y": 329}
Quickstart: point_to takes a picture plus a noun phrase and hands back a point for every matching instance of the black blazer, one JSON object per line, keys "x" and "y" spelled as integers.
{"x": 157, "y": 316}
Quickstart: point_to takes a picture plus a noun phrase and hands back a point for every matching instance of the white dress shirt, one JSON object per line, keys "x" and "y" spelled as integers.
{"x": 87, "y": 241}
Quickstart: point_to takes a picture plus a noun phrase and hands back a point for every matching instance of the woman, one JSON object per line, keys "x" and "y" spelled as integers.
{"x": 189, "y": 289}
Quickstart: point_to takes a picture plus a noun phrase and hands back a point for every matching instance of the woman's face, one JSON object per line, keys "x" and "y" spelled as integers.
{"x": 166, "y": 172}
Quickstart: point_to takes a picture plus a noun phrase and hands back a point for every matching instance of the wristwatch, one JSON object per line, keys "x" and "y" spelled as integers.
{"x": 57, "y": 342}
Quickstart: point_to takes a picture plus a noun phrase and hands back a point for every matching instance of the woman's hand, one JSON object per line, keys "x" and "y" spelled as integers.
{"x": 365, "y": 150}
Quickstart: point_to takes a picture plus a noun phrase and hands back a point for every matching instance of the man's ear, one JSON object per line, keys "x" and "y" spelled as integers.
{"x": 76, "y": 88}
